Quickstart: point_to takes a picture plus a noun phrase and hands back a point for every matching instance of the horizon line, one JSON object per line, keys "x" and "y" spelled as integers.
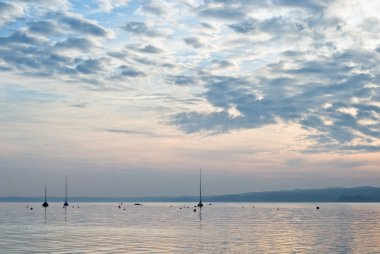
{"x": 191, "y": 195}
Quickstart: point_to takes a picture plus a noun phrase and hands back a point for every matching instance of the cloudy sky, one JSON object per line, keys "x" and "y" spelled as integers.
{"x": 131, "y": 98}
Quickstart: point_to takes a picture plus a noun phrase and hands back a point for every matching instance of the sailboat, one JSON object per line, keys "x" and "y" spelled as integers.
{"x": 200, "y": 204}
{"x": 66, "y": 204}
{"x": 45, "y": 204}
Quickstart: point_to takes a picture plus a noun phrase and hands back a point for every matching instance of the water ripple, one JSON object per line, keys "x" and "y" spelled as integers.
{"x": 220, "y": 228}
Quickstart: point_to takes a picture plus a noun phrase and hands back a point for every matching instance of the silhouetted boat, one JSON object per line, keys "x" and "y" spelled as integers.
{"x": 45, "y": 204}
{"x": 66, "y": 204}
{"x": 200, "y": 204}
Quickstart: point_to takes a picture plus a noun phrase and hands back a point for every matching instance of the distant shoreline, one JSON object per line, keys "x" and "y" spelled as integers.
{"x": 365, "y": 194}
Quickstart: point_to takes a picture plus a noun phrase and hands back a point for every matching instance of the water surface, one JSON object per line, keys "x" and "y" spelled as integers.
{"x": 219, "y": 228}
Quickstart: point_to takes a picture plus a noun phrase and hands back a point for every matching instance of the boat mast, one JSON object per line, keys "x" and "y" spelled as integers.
{"x": 66, "y": 190}
{"x": 66, "y": 204}
{"x": 45, "y": 204}
{"x": 200, "y": 204}
{"x": 200, "y": 185}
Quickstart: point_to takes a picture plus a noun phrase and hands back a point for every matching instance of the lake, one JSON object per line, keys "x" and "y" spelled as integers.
{"x": 165, "y": 228}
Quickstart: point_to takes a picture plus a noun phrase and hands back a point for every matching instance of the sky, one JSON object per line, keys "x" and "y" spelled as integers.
{"x": 131, "y": 98}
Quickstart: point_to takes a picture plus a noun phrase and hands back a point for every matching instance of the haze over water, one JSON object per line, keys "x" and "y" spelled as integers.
{"x": 220, "y": 228}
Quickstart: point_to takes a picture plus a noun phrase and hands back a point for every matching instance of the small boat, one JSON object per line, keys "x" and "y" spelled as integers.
{"x": 65, "y": 204}
{"x": 200, "y": 204}
{"x": 45, "y": 204}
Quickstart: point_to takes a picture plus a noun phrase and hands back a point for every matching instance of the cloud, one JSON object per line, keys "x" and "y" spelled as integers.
{"x": 244, "y": 27}
{"x": 254, "y": 63}
{"x": 136, "y": 132}
{"x": 227, "y": 13}
{"x": 362, "y": 148}
{"x": 33, "y": 60}
{"x": 10, "y": 12}
{"x": 128, "y": 71}
{"x": 309, "y": 5}
{"x": 278, "y": 27}
{"x": 151, "y": 49}
{"x": 140, "y": 28}
{"x": 19, "y": 37}
{"x": 75, "y": 43}
{"x": 194, "y": 42}
{"x": 207, "y": 25}
{"x": 225, "y": 92}
{"x": 45, "y": 27}
{"x": 90, "y": 66}
{"x": 109, "y": 5}
{"x": 84, "y": 26}
{"x": 51, "y": 5}
{"x": 148, "y": 49}
{"x": 184, "y": 80}
{"x": 296, "y": 91}
{"x": 221, "y": 64}
{"x": 157, "y": 8}
{"x": 37, "y": 56}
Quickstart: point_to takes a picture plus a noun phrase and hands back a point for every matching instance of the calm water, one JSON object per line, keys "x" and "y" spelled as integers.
{"x": 220, "y": 228}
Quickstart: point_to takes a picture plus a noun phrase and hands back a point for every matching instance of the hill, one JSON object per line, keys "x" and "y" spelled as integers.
{"x": 356, "y": 194}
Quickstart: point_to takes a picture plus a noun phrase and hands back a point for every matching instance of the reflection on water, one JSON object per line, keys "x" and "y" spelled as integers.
{"x": 220, "y": 228}
{"x": 44, "y": 215}
{"x": 65, "y": 208}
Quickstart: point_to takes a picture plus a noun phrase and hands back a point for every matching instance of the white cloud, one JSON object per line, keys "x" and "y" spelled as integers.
{"x": 278, "y": 61}
{"x": 109, "y": 5}
{"x": 9, "y": 12}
